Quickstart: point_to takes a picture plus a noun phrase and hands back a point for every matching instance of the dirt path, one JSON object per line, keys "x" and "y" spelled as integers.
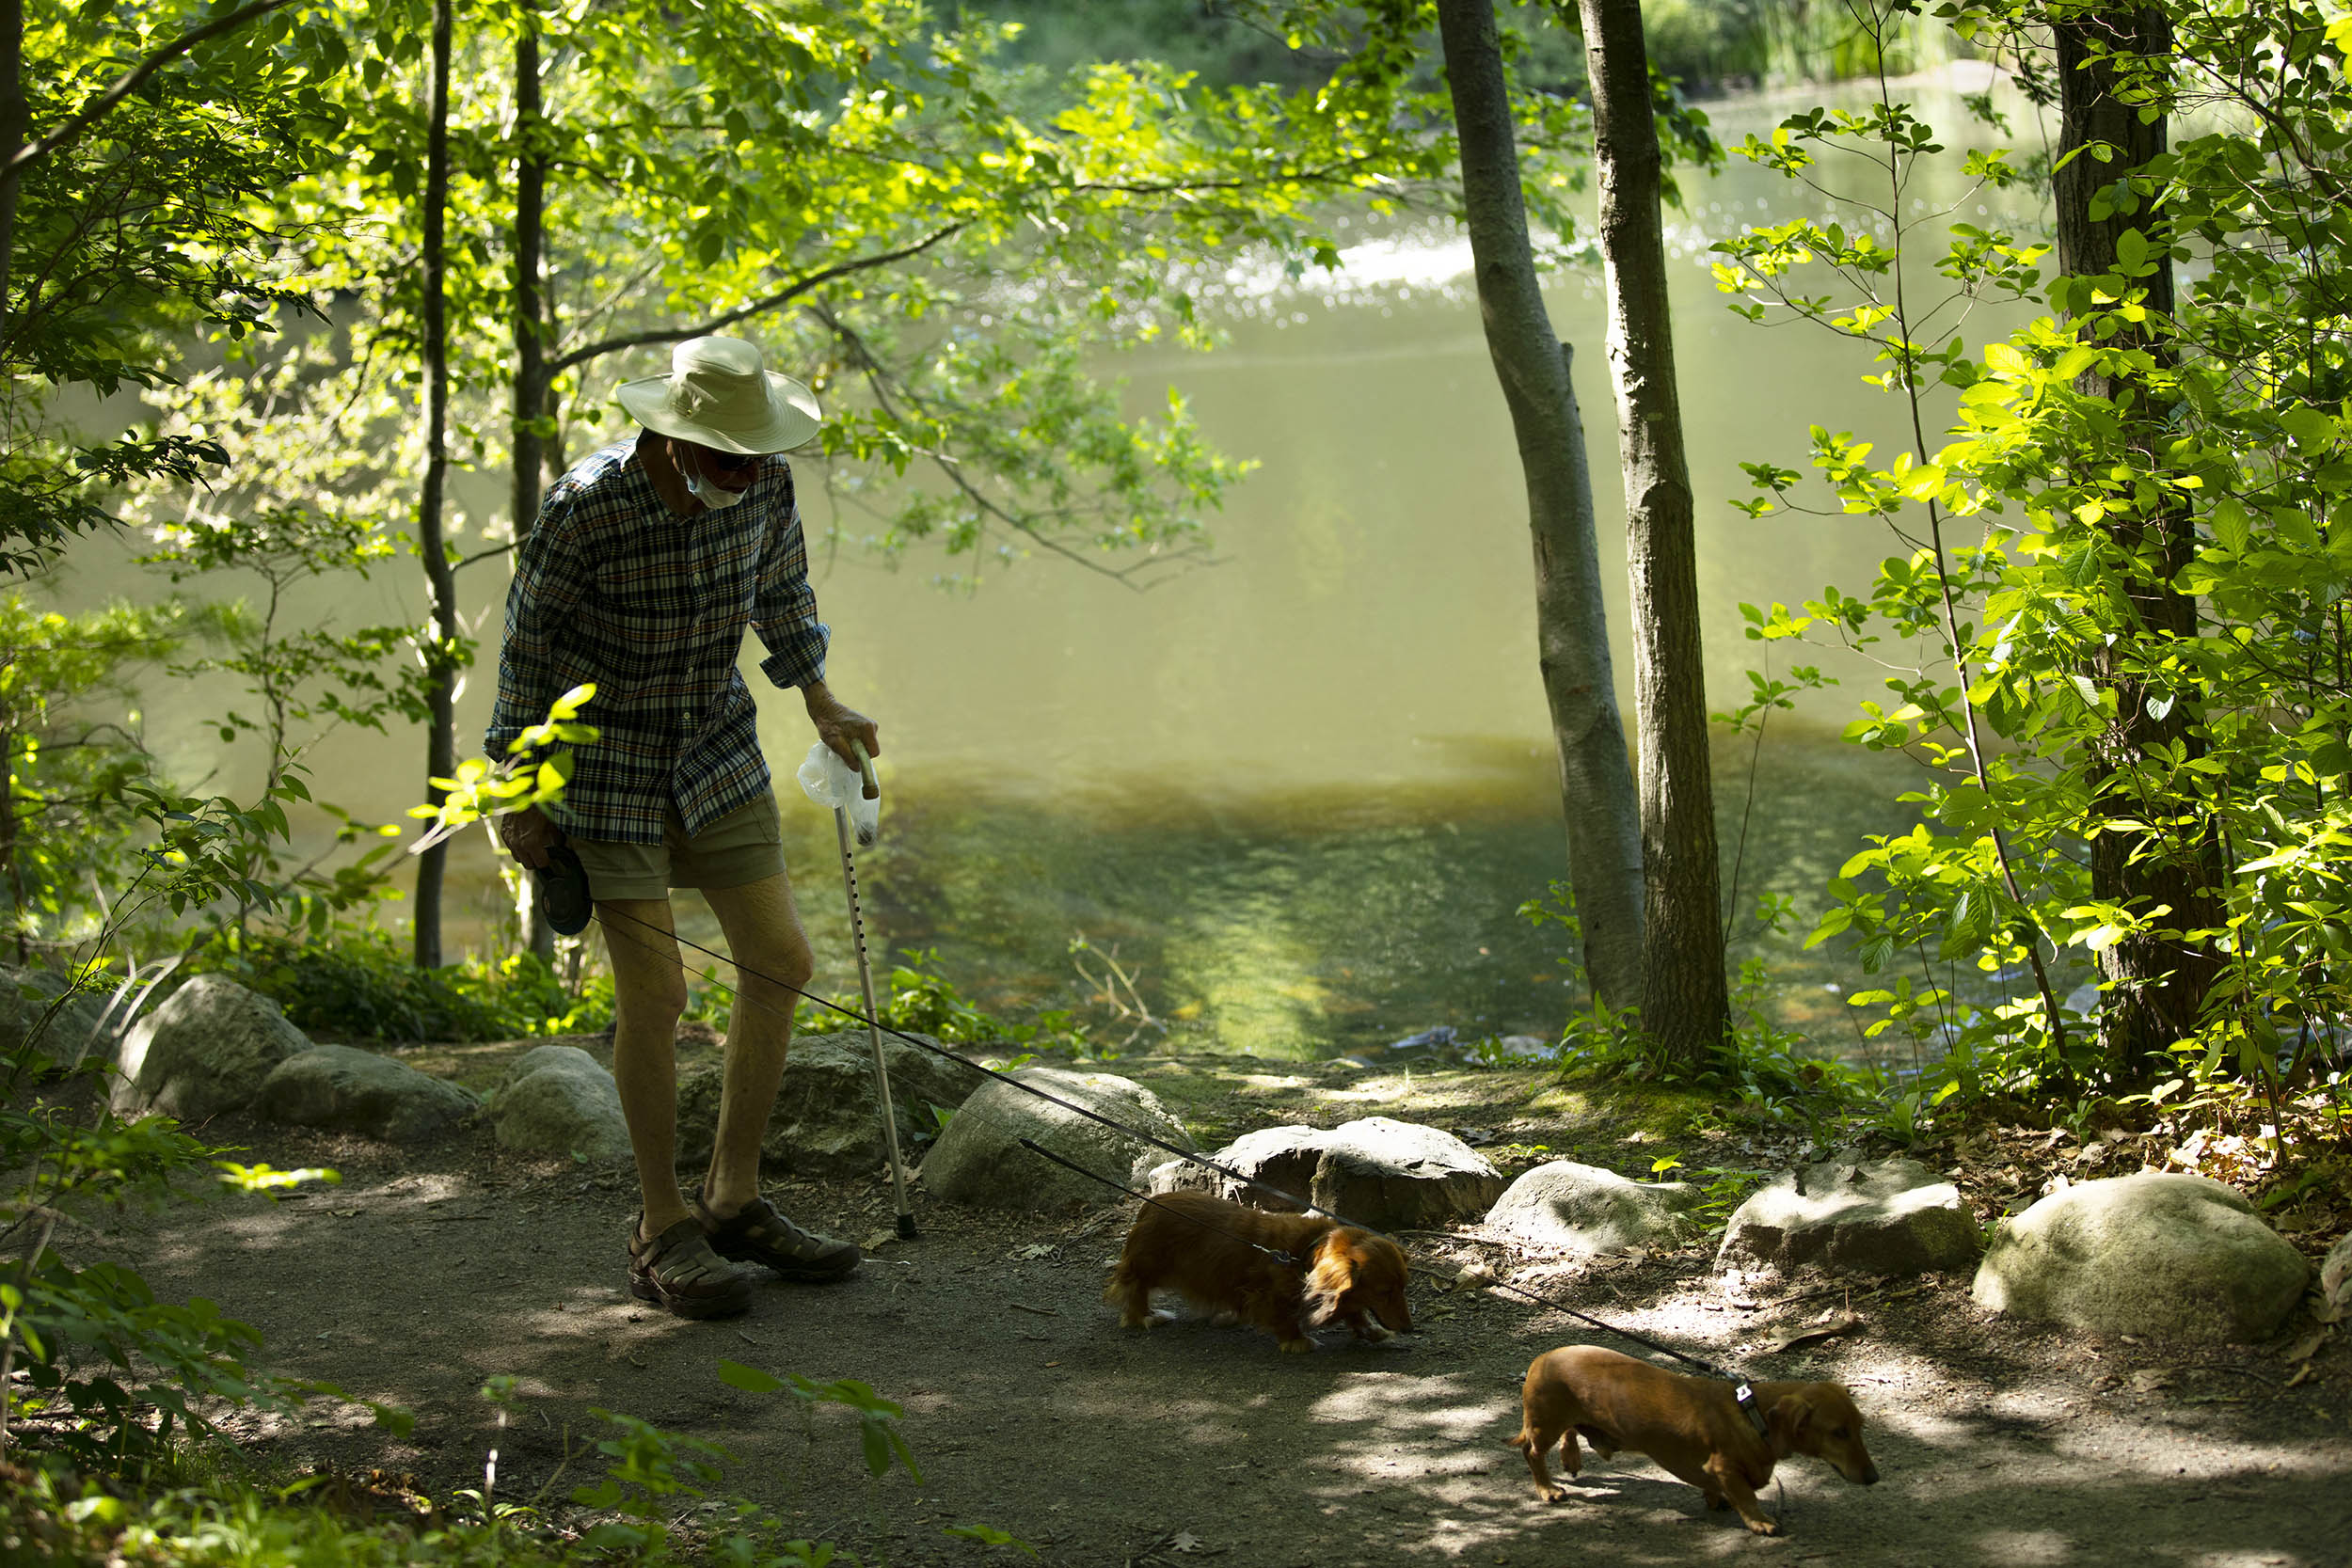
{"x": 427, "y": 1271}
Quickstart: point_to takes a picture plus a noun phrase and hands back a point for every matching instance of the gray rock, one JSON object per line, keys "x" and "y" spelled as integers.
{"x": 557, "y": 1101}
{"x": 25, "y": 997}
{"x": 1284, "y": 1158}
{"x": 207, "y": 1050}
{"x": 2158, "y": 1254}
{"x": 1892, "y": 1217}
{"x": 1393, "y": 1174}
{"x": 2335, "y": 1281}
{"x": 979, "y": 1160}
{"x": 828, "y": 1116}
{"x": 349, "y": 1090}
{"x": 1585, "y": 1211}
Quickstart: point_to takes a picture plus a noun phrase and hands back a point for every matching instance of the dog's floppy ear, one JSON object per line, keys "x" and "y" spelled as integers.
{"x": 1330, "y": 1272}
{"x": 1788, "y": 1419}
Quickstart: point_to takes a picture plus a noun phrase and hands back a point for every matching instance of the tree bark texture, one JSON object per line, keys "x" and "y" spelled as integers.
{"x": 16, "y": 122}
{"x": 2158, "y": 982}
{"x": 440, "y": 585}
{"x": 1572, "y": 631}
{"x": 1685, "y": 1005}
{"x": 531, "y": 378}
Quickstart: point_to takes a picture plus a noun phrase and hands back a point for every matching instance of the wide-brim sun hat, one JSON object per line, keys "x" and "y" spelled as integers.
{"x": 719, "y": 394}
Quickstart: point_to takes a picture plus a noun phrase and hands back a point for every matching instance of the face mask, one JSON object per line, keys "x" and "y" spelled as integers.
{"x": 716, "y": 498}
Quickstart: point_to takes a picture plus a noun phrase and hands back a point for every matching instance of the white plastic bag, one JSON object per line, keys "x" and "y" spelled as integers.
{"x": 831, "y": 782}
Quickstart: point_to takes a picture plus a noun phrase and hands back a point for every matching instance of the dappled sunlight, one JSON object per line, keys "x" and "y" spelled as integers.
{"x": 1445, "y": 1424}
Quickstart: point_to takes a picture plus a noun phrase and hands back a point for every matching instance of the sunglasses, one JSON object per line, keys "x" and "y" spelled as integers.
{"x": 729, "y": 461}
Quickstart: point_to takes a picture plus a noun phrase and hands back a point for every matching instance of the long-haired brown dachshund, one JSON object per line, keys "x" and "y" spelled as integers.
{"x": 1208, "y": 1250}
{"x": 1692, "y": 1426}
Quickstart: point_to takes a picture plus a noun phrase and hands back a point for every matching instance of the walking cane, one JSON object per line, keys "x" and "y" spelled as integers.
{"x": 865, "y": 984}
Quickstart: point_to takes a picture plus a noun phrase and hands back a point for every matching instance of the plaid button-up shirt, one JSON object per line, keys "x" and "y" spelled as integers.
{"x": 613, "y": 586}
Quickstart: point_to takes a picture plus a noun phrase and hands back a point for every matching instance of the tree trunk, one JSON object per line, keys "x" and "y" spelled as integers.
{"x": 1572, "y": 631}
{"x": 1685, "y": 1006}
{"x": 8, "y": 857}
{"x": 16, "y": 119}
{"x": 530, "y": 392}
{"x": 2158, "y": 983}
{"x": 441, "y": 588}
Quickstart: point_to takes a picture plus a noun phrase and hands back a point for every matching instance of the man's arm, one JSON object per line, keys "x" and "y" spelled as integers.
{"x": 550, "y": 578}
{"x": 784, "y": 616}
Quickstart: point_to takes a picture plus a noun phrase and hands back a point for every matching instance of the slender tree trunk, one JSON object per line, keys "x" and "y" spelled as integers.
{"x": 530, "y": 390}
{"x": 2158, "y": 982}
{"x": 441, "y": 588}
{"x": 16, "y": 119}
{"x": 8, "y": 856}
{"x": 1684, "y": 1003}
{"x": 1572, "y": 631}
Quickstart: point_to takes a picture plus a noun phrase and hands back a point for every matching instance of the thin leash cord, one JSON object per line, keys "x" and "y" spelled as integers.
{"x": 1277, "y": 1255}
{"x": 604, "y": 912}
{"x": 1191, "y": 1218}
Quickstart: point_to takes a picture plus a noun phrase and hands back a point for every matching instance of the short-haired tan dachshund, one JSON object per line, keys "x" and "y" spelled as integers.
{"x": 1691, "y": 1426}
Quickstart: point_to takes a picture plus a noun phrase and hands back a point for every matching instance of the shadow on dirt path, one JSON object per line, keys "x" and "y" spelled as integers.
{"x": 430, "y": 1270}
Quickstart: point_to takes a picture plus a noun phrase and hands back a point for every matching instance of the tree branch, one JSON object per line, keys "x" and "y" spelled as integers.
{"x": 132, "y": 80}
{"x": 783, "y": 296}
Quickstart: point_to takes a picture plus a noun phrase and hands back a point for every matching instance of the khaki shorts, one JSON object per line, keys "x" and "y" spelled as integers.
{"x": 744, "y": 845}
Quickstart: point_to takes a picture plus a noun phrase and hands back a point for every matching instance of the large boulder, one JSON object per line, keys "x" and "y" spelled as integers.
{"x": 2159, "y": 1252}
{"x": 1283, "y": 1158}
{"x": 1888, "y": 1217}
{"x": 558, "y": 1100}
{"x": 25, "y": 998}
{"x": 828, "y": 1116}
{"x": 345, "y": 1089}
{"x": 979, "y": 1160}
{"x": 1400, "y": 1175}
{"x": 207, "y": 1050}
{"x": 1585, "y": 1211}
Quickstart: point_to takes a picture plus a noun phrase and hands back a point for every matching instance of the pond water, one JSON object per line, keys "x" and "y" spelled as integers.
{"x": 1302, "y": 792}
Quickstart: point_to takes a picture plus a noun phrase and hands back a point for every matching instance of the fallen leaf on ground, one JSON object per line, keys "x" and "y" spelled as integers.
{"x": 1827, "y": 1327}
{"x": 2307, "y": 1346}
{"x": 2150, "y": 1379}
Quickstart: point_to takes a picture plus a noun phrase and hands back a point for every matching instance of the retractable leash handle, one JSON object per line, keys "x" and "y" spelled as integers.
{"x": 865, "y": 984}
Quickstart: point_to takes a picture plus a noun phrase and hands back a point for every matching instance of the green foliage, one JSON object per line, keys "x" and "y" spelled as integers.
{"x": 2101, "y": 466}
{"x": 142, "y": 226}
{"x": 71, "y": 746}
{"x": 1721, "y": 1192}
{"x": 654, "y": 1483}
{"x": 923, "y": 1001}
{"x": 362, "y": 983}
{"x": 537, "y": 765}
{"x": 1768, "y": 1070}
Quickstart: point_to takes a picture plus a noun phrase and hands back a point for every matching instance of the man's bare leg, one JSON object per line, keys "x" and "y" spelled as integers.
{"x": 649, "y": 997}
{"x": 764, "y": 934}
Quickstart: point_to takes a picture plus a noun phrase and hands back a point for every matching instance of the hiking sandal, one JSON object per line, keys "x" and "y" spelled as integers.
{"x": 679, "y": 1271}
{"x": 759, "y": 1234}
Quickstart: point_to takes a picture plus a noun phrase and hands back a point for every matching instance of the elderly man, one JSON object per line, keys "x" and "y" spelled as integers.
{"x": 648, "y": 561}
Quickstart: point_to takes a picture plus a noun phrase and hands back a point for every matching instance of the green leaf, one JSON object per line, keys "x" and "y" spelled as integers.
{"x": 2311, "y": 428}
{"x": 750, "y": 1379}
